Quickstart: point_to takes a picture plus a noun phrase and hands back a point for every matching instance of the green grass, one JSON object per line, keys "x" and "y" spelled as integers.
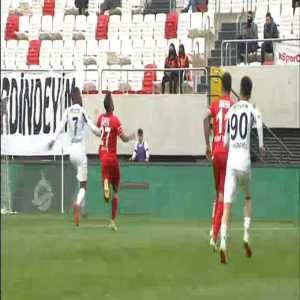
{"x": 45, "y": 257}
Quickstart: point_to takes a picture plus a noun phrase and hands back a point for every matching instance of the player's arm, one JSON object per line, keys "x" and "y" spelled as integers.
{"x": 96, "y": 130}
{"x": 259, "y": 127}
{"x": 59, "y": 130}
{"x": 206, "y": 128}
{"x": 134, "y": 152}
{"x": 147, "y": 151}
{"x": 127, "y": 138}
{"x": 227, "y": 128}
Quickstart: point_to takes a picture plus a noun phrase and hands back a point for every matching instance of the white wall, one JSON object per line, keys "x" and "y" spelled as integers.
{"x": 172, "y": 124}
{"x": 275, "y": 91}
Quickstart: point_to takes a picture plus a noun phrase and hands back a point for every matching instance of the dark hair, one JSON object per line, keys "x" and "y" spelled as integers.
{"x": 246, "y": 86}
{"x": 226, "y": 82}
{"x": 268, "y": 14}
{"x": 174, "y": 54}
{"x": 107, "y": 102}
{"x": 250, "y": 12}
{"x": 140, "y": 131}
{"x": 75, "y": 91}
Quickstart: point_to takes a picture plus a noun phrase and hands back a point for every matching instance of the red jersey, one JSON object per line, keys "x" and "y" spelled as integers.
{"x": 218, "y": 111}
{"x": 111, "y": 129}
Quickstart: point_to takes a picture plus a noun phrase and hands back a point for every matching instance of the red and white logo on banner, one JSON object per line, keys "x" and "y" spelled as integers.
{"x": 287, "y": 53}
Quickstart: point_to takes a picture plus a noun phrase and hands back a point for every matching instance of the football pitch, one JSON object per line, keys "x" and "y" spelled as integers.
{"x": 45, "y": 257}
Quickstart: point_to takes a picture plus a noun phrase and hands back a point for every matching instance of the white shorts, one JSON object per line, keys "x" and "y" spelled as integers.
{"x": 232, "y": 179}
{"x": 79, "y": 161}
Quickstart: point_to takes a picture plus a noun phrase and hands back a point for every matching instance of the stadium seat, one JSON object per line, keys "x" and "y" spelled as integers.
{"x": 113, "y": 79}
{"x": 68, "y": 28}
{"x": 91, "y": 80}
{"x": 80, "y": 23}
{"x": 285, "y": 28}
{"x": 126, "y": 47}
{"x": 124, "y": 30}
{"x": 58, "y": 23}
{"x": 91, "y": 48}
{"x": 159, "y": 26}
{"x": 113, "y": 27}
{"x": 188, "y": 46}
{"x": 184, "y": 23}
{"x": 136, "y": 79}
{"x": 47, "y": 27}
{"x": 48, "y": 8}
{"x": 237, "y": 6}
{"x": 296, "y": 23}
{"x": 149, "y": 78}
{"x": 148, "y": 26}
{"x": 148, "y": 56}
{"x": 34, "y": 52}
{"x": 225, "y": 6}
{"x": 21, "y": 55}
{"x": 10, "y": 54}
{"x": 91, "y": 23}
{"x": 136, "y": 57}
{"x": 115, "y": 46}
{"x": 56, "y": 55}
{"x": 45, "y": 52}
{"x": 67, "y": 55}
{"x": 79, "y": 54}
{"x": 35, "y": 27}
{"x": 171, "y": 26}
{"x": 37, "y": 7}
{"x": 12, "y": 26}
{"x": 93, "y": 7}
{"x": 59, "y": 7}
{"x": 102, "y": 27}
{"x": 3, "y": 49}
{"x": 196, "y": 20}
{"x": 135, "y": 30}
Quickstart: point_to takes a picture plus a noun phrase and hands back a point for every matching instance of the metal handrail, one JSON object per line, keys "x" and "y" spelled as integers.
{"x": 246, "y": 41}
{"x": 203, "y": 69}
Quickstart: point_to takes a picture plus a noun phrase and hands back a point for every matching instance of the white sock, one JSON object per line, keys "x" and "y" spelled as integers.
{"x": 223, "y": 236}
{"x": 247, "y": 223}
{"x": 80, "y": 196}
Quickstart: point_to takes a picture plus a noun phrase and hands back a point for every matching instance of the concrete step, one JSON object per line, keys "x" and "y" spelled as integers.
{"x": 217, "y": 52}
{"x": 227, "y": 35}
{"x": 228, "y": 27}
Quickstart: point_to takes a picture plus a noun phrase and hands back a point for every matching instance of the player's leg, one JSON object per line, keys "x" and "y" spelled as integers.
{"x": 105, "y": 167}
{"x": 214, "y": 205}
{"x": 115, "y": 201}
{"x": 229, "y": 191}
{"x": 245, "y": 184}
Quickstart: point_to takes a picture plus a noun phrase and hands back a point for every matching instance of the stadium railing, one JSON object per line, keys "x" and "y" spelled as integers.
{"x": 228, "y": 43}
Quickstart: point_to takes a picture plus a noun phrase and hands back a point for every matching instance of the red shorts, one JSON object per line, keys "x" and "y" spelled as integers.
{"x": 111, "y": 171}
{"x": 219, "y": 166}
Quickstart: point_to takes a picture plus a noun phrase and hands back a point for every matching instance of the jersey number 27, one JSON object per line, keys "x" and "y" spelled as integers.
{"x": 105, "y": 132}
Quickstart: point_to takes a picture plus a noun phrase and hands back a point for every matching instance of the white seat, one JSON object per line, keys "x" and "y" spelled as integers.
{"x": 126, "y": 7}
{"x": 237, "y": 6}
{"x": 103, "y": 77}
{"x": 262, "y": 7}
{"x": 135, "y": 30}
{"x": 188, "y": 46}
{"x": 225, "y": 6}
{"x": 184, "y": 23}
{"x": 35, "y": 27}
{"x": 114, "y": 78}
{"x": 159, "y": 26}
{"x": 136, "y": 78}
{"x": 260, "y": 17}
{"x": 45, "y": 51}
{"x": 196, "y": 20}
{"x": 148, "y": 56}
{"x": 92, "y": 48}
{"x": 138, "y": 44}
{"x": 149, "y": 44}
{"x": 10, "y": 54}
{"x": 67, "y": 54}
{"x": 59, "y": 7}
{"x": 91, "y": 27}
{"x": 47, "y": 25}
{"x": 136, "y": 57}
{"x": 103, "y": 45}
{"x": 70, "y": 4}
{"x": 37, "y": 7}
{"x": 79, "y": 53}
{"x": 21, "y": 55}
{"x": 148, "y": 26}
{"x": 296, "y": 23}
{"x": 126, "y": 47}
{"x": 285, "y": 25}
{"x": 56, "y": 55}
{"x": 24, "y": 24}
{"x": 199, "y": 45}
{"x": 115, "y": 46}
{"x": 124, "y": 29}
{"x": 58, "y": 23}
{"x": 14, "y": 4}
{"x": 3, "y": 49}
{"x": 68, "y": 27}
{"x": 80, "y": 23}
{"x": 113, "y": 27}
{"x": 149, "y": 19}
{"x": 93, "y": 7}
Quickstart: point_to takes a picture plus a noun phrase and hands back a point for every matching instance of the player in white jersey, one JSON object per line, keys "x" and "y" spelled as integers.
{"x": 77, "y": 120}
{"x": 242, "y": 117}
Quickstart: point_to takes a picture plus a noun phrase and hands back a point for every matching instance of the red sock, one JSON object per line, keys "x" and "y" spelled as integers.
{"x": 218, "y": 219}
{"x": 114, "y": 207}
{"x": 214, "y": 213}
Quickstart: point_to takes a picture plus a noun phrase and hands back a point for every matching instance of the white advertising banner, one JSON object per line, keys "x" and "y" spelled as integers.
{"x": 32, "y": 104}
{"x": 287, "y": 53}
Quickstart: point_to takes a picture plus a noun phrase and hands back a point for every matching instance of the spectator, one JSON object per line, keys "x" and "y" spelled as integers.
{"x": 171, "y": 76}
{"x": 270, "y": 32}
{"x": 249, "y": 31}
{"x": 82, "y": 5}
{"x": 183, "y": 62}
{"x": 108, "y": 5}
{"x": 295, "y": 3}
{"x": 141, "y": 149}
{"x": 197, "y": 6}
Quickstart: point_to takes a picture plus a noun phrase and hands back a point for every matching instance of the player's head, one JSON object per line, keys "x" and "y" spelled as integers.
{"x": 140, "y": 135}
{"x": 226, "y": 83}
{"x": 246, "y": 88}
{"x": 108, "y": 103}
{"x": 76, "y": 96}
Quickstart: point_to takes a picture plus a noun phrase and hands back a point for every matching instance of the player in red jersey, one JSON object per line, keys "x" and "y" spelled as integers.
{"x": 110, "y": 130}
{"x": 217, "y": 111}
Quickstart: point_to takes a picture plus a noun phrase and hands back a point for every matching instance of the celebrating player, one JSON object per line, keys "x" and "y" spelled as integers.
{"x": 241, "y": 117}
{"x": 110, "y": 129}
{"x": 217, "y": 112}
{"x": 77, "y": 120}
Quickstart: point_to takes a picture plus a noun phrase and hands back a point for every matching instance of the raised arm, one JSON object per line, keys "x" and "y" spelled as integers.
{"x": 96, "y": 131}
{"x": 259, "y": 127}
{"x": 59, "y": 130}
{"x": 226, "y": 136}
{"x": 126, "y": 138}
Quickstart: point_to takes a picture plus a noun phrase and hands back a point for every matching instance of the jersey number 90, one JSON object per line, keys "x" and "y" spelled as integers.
{"x": 239, "y": 126}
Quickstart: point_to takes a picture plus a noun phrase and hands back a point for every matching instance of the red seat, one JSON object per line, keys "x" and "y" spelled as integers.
{"x": 102, "y": 27}
{"x": 49, "y": 6}
{"x": 12, "y": 26}
{"x": 171, "y": 26}
{"x": 149, "y": 78}
{"x": 33, "y": 57}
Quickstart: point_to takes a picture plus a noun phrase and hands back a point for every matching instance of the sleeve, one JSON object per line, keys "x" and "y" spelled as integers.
{"x": 210, "y": 110}
{"x": 118, "y": 127}
{"x": 259, "y": 126}
{"x": 61, "y": 125}
{"x": 99, "y": 122}
{"x": 134, "y": 151}
{"x": 95, "y": 129}
{"x": 227, "y": 129}
{"x": 147, "y": 151}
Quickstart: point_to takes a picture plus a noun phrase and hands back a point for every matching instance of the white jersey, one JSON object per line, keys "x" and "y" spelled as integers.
{"x": 77, "y": 121}
{"x": 242, "y": 117}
